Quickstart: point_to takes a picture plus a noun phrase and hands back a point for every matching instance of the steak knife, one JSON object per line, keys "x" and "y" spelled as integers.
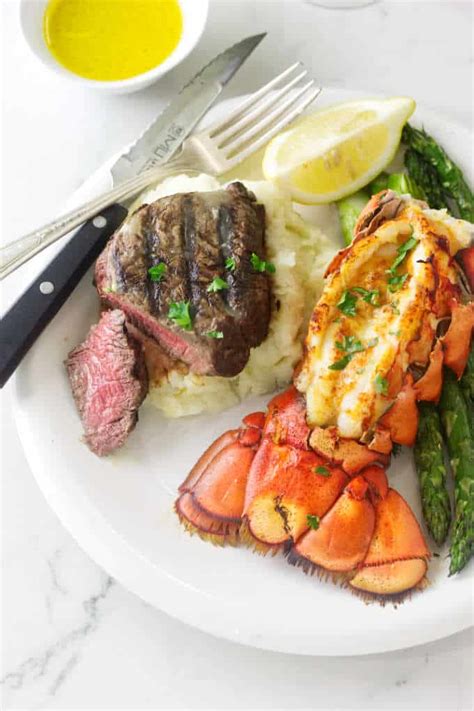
{"x": 27, "y": 318}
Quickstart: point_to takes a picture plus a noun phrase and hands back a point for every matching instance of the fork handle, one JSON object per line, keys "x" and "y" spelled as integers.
{"x": 16, "y": 253}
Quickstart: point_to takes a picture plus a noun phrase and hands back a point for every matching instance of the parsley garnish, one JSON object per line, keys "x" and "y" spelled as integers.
{"x": 157, "y": 271}
{"x": 324, "y": 471}
{"x": 370, "y": 297}
{"x": 217, "y": 284}
{"x": 260, "y": 265}
{"x": 341, "y": 363}
{"x": 396, "y": 282}
{"x": 230, "y": 264}
{"x": 347, "y": 303}
{"x": 179, "y": 313}
{"x": 215, "y": 334}
{"x": 381, "y": 385}
{"x": 402, "y": 252}
{"x": 394, "y": 307}
{"x": 350, "y": 345}
{"x": 313, "y": 521}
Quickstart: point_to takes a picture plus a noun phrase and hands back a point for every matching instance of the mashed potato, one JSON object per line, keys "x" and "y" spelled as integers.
{"x": 300, "y": 253}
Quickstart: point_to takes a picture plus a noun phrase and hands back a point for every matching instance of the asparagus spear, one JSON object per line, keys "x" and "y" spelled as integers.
{"x": 379, "y": 183}
{"x": 403, "y": 183}
{"x": 429, "y": 462}
{"x": 467, "y": 386}
{"x": 455, "y": 417}
{"x": 349, "y": 209}
{"x": 450, "y": 175}
{"x": 428, "y": 451}
{"x": 467, "y": 380}
{"x": 425, "y": 176}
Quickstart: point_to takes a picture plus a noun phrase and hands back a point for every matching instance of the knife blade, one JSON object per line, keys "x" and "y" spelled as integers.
{"x": 165, "y": 135}
{"x": 28, "y": 317}
{"x": 159, "y": 142}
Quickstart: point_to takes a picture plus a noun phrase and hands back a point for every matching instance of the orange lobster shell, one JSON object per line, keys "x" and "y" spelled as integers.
{"x": 278, "y": 483}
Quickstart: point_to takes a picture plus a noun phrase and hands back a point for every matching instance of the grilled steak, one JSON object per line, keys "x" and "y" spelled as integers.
{"x": 109, "y": 382}
{"x": 193, "y": 236}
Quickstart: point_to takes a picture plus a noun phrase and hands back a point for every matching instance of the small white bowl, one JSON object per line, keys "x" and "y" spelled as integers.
{"x": 194, "y": 20}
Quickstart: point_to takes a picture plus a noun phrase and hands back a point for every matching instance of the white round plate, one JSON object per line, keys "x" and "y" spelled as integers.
{"x": 120, "y": 509}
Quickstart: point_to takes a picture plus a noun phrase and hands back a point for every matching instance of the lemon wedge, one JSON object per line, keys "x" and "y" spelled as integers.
{"x": 332, "y": 153}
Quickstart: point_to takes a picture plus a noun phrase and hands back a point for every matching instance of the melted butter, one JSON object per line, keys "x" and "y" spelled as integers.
{"x": 110, "y": 40}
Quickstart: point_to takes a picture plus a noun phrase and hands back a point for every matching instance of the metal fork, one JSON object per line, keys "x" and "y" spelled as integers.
{"x": 215, "y": 151}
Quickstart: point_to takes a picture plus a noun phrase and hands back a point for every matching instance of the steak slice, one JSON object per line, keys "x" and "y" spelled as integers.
{"x": 193, "y": 234}
{"x": 109, "y": 383}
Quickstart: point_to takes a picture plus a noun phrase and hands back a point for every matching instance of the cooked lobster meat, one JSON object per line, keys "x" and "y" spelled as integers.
{"x": 109, "y": 382}
{"x": 378, "y": 316}
{"x": 208, "y": 300}
{"x": 308, "y": 477}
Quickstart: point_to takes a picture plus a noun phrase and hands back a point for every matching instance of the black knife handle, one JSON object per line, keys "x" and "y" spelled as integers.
{"x": 29, "y": 316}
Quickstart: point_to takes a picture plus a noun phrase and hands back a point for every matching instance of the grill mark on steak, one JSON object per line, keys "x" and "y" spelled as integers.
{"x": 248, "y": 293}
{"x": 128, "y": 258}
{"x": 205, "y": 262}
{"x": 189, "y": 238}
{"x": 169, "y": 229}
{"x": 193, "y": 234}
{"x": 152, "y": 247}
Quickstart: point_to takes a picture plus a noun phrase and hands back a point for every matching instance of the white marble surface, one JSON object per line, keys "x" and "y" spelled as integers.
{"x": 71, "y": 637}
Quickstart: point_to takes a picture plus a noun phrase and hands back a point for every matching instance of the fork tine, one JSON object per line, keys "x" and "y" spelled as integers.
{"x": 262, "y": 125}
{"x": 250, "y": 117}
{"x": 286, "y": 119}
{"x": 222, "y": 124}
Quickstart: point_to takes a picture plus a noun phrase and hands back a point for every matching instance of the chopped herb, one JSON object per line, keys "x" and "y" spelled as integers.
{"x": 313, "y": 521}
{"x": 215, "y": 334}
{"x": 179, "y": 313}
{"x": 350, "y": 344}
{"x": 372, "y": 343}
{"x": 347, "y": 303}
{"x": 157, "y": 271}
{"x": 341, "y": 364}
{"x": 230, "y": 264}
{"x": 394, "y": 307}
{"x": 370, "y": 297}
{"x": 217, "y": 284}
{"x": 395, "y": 333}
{"x": 396, "y": 282}
{"x": 260, "y": 265}
{"x": 337, "y": 320}
{"x": 381, "y": 385}
{"x": 324, "y": 471}
{"x": 402, "y": 252}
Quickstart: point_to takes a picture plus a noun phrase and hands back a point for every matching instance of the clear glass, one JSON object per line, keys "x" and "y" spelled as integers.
{"x": 341, "y": 4}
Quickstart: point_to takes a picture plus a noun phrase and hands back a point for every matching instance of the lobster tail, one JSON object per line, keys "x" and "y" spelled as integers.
{"x": 263, "y": 485}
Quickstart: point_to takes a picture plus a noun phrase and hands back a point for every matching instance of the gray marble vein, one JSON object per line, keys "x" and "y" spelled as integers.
{"x": 67, "y": 646}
